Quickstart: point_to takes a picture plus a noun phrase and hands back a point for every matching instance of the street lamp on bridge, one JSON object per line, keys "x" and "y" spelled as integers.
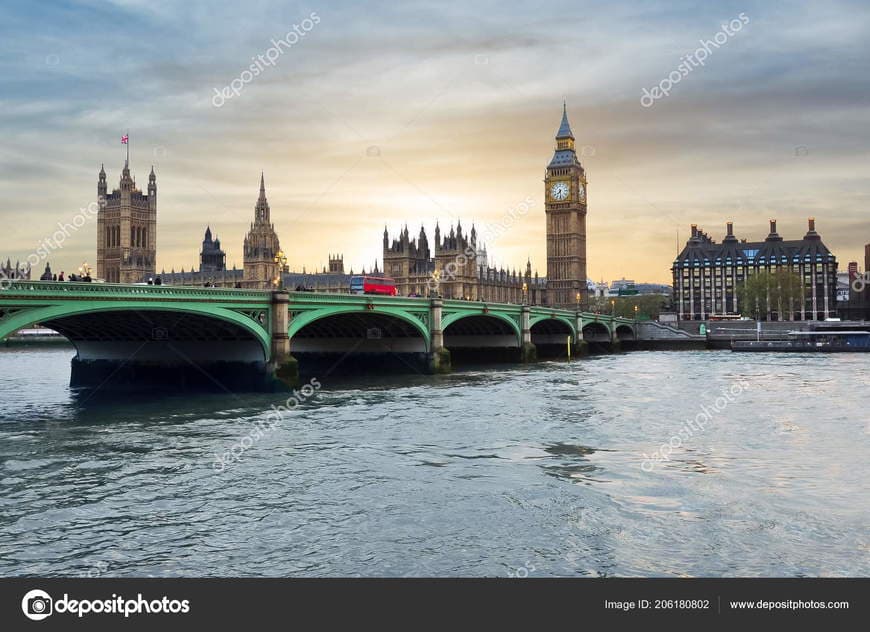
{"x": 281, "y": 260}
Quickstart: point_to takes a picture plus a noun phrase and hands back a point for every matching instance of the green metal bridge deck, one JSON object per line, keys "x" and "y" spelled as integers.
{"x": 157, "y": 325}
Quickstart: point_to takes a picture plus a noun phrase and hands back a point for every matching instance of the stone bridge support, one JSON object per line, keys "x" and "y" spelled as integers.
{"x": 615, "y": 342}
{"x": 439, "y": 355}
{"x": 283, "y": 365}
{"x": 528, "y": 351}
{"x": 581, "y": 347}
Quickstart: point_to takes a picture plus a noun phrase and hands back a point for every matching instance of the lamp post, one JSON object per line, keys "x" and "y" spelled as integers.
{"x": 613, "y": 307}
{"x": 578, "y": 301}
{"x": 436, "y": 276}
{"x": 281, "y": 260}
{"x": 635, "y": 314}
{"x": 525, "y": 293}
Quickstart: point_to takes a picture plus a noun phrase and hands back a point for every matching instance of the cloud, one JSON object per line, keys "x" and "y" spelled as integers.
{"x": 462, "y": 103}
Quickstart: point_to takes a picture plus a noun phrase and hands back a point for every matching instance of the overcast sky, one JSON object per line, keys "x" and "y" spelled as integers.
{"x": 387, "y": 113}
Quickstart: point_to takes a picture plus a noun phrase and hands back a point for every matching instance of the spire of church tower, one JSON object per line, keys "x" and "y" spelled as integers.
{"x": 102, "y": 187}
{"x": 261, "y": 210}
{"x": 261, "y": 262}
{"x": 565, "y": 155}
{"x": 564, "y": 127}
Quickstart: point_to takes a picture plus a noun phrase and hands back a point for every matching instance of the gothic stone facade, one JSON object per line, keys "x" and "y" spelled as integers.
{"x": 18, "y": 272}
{"x": 565, "y": 207}
{"x": 455, "y": 267}
{"x": 126, "y": 229}
{"x": 212, "y": 258}
{"x": 261, "y": 247}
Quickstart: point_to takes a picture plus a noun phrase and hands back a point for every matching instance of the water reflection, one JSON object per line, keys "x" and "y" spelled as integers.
{"x": 471, "y": 473}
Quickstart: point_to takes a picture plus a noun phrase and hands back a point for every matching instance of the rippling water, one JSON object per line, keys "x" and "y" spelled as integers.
{"x": 510, "y": 470}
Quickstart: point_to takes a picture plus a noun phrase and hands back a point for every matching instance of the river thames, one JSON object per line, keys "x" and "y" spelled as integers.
{"x": 697, "y": 463}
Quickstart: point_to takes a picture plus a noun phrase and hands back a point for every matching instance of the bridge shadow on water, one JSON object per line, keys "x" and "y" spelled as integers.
{"x": 112, "y": 376}
{"x": 359, "y": 364}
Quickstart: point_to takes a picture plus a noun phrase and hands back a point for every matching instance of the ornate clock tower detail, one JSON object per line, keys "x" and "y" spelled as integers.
{"x": 565, "y": 194}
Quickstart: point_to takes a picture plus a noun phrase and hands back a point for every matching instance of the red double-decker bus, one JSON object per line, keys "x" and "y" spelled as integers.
{"x": 372, "y": 285}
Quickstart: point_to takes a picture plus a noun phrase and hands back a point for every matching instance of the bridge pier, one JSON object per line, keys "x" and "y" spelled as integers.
{"x": 615, "y": 342}
{"x": 528, "y": 351}
{"x": 438, "y": 358}
{"x": 283, "y": 366}
{"x": 581, "y": 347}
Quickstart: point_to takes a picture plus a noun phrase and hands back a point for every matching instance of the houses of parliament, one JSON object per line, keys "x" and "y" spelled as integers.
{"x": 453, "y": 265}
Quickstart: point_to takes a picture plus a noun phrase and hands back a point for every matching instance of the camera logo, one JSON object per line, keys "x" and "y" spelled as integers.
{"x": 36, "y": 605}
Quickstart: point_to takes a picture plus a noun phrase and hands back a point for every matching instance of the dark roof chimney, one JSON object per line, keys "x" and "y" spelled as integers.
{"x": 811, "y": 230}
{"x": 773, "y": 236}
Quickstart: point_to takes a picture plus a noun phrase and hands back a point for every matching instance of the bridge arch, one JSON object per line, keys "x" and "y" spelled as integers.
{"x": 72, "y": 320}
{"x": 475, "y": 336}
{"x": 123, "y": 345}
{"x": 550, "y": 335}
{"x": 545, "y": 324}
{"x": 625, "y": 332}
{"x": 498, "y": 324}
{"x": 380, "y": 318}
{"x": 596, "y": 331}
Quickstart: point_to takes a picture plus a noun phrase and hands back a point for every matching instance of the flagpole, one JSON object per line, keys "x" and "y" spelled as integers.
{"x": 128, "y": 146}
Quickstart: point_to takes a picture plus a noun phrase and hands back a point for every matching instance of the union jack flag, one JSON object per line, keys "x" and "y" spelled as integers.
{"x": 124, "y": 139}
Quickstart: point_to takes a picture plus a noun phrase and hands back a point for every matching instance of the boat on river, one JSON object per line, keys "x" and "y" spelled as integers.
{"x": 811, "y": 342}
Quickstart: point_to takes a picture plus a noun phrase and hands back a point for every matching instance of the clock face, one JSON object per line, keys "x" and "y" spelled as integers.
{"x": 582, "y": 191}
{"x": 559, "y": 191}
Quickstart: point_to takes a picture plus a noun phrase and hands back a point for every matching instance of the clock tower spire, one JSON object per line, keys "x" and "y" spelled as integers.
{"x": 565, "y": 208}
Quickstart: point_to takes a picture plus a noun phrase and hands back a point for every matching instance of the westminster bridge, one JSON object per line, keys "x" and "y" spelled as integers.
{"x": 141, "y": 333}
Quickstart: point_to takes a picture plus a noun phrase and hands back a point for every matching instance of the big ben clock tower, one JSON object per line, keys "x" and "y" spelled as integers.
{"x": 565, "y": 208}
